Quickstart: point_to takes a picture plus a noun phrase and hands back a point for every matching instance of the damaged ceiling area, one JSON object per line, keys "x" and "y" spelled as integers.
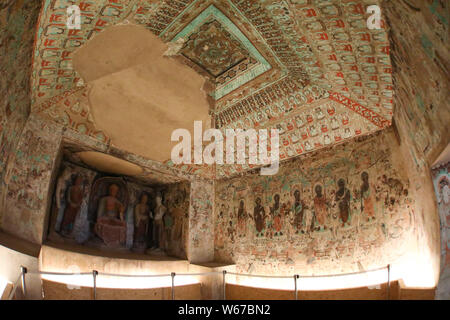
{"x": 138, "y": 69}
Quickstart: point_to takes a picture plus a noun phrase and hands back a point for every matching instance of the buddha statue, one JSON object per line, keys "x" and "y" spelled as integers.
{"x": 111, "y": 226}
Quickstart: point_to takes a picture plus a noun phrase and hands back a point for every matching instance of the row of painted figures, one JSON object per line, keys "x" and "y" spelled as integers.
{"x": 270, "y": 221}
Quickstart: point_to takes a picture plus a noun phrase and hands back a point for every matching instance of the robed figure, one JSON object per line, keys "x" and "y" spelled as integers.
{"x": 111, "y": 226}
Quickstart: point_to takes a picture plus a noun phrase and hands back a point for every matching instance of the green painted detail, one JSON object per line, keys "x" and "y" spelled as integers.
{"x": 420, "y": 103}
{"x": 262, "y": 66}
{"x": 427, "y": 46}
{"x": 433, "y": 9}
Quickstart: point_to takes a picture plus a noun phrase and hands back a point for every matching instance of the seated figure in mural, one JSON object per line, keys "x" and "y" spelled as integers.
{"x": 343, "y": 200}
{"x": 74, "y": 201}
{"x": 158, "y": 224}
{"x": 111, "y": 226}
{"x": 142, "y": 214}
{"x": 367, "y": 201}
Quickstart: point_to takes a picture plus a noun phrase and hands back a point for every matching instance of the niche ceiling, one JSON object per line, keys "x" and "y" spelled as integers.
{"x": 310, "y": 68}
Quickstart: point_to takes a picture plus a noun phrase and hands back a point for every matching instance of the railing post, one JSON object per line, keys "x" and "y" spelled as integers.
{"x": 94, "y": 276}
{"x": 389, "y": 282}
{"x": 296, "y": 276}
{"x": 23, "y": 272}
{"x": 173, "y": 285}
{"x": 224, "y": 285}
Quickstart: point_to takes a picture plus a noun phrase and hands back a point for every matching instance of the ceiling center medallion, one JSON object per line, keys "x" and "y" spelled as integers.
{"x": 218, "y": 46}
{"x": 214, "y": 49}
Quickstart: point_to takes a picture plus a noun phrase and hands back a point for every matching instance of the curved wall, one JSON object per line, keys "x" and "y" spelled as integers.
{"x": 420, "y": 62}
{"x": 18, "y": 21}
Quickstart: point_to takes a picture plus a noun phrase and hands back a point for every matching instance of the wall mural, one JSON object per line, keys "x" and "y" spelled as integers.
{"x": 176, "y": 199}
{"x": 347, "y": 204}
{"x": 72, "y": 110}
{"x": 114, "y": 213}
{"x": 28, "y": 179}
{"x": 16, "y": 50}
{"x": 422, "y": 82}
{"x": 441, "y": 181}
{"x": 201, "y": 225}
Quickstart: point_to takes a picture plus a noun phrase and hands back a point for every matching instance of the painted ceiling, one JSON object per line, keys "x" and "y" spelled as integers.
{"x": 310, "y": 68}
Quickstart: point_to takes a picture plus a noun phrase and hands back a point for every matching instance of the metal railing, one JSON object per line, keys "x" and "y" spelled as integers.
{"x": 298, "y": 277}
{"x": 95, "y": 274}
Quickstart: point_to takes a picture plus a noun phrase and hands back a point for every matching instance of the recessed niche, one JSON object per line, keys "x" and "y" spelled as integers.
{"x": 102, "y": 204}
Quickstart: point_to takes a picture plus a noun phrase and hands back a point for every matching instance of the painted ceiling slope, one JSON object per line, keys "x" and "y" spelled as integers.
{"x": 265, "y": 58}
{"x": 310, "y": 127}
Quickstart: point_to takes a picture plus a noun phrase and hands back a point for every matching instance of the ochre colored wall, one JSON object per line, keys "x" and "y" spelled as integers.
{"x": 419, "y": 52}
{"x": 60, "y": 291}
{"x": 421, "y": 77}
{"x": 201, "y": 225}
{"x": 397, "y": 292}
{"x": 29, "y": 178}
{"x": 441, "y": 181}
{"x": 18, "y": 21}
{"x": 176, "y": 198}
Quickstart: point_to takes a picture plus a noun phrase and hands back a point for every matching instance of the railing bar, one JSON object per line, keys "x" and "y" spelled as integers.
{"x": 135, "y": 276}
{"x": 344, "y": 274}
{"x": 94, "y": 278}
{"x": 15, "y": 285}
{"x": 60, "y": 273}
{"x": 296, "y": 289}
{"x": 389, "y": 282}
{"x": 259, "y": 276}
{"x": 224, "y": 285}
{"x": 202, "y": 274}
{"x": 24, "y": 285}
{"x": 199, "y": 274}
{"x": 173, "y": 285}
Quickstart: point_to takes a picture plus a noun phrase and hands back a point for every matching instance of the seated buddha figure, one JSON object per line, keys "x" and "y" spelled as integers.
{"x": 110, "y": 226}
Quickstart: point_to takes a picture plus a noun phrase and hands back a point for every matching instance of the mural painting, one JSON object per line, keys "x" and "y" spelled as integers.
{"x": 201, "y": 221}
{"x": 18, "y": 20}
{"x": 441, "y": 181}
{"x": 176, "y": 230}
{"x": 28, "y": 178}
{"x": 422, "y": 81}
{"x": 346, "y": 204}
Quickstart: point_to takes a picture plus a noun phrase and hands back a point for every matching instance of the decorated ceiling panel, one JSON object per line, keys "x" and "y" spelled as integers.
{"x": 271, "y": 63}
{"x": 219, "y": 47}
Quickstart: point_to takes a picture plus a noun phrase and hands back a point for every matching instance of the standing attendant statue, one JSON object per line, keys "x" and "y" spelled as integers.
{"x": 141, "y": 222}
{"x": 158, "y": 223}
{"x": 74, "y": 202}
